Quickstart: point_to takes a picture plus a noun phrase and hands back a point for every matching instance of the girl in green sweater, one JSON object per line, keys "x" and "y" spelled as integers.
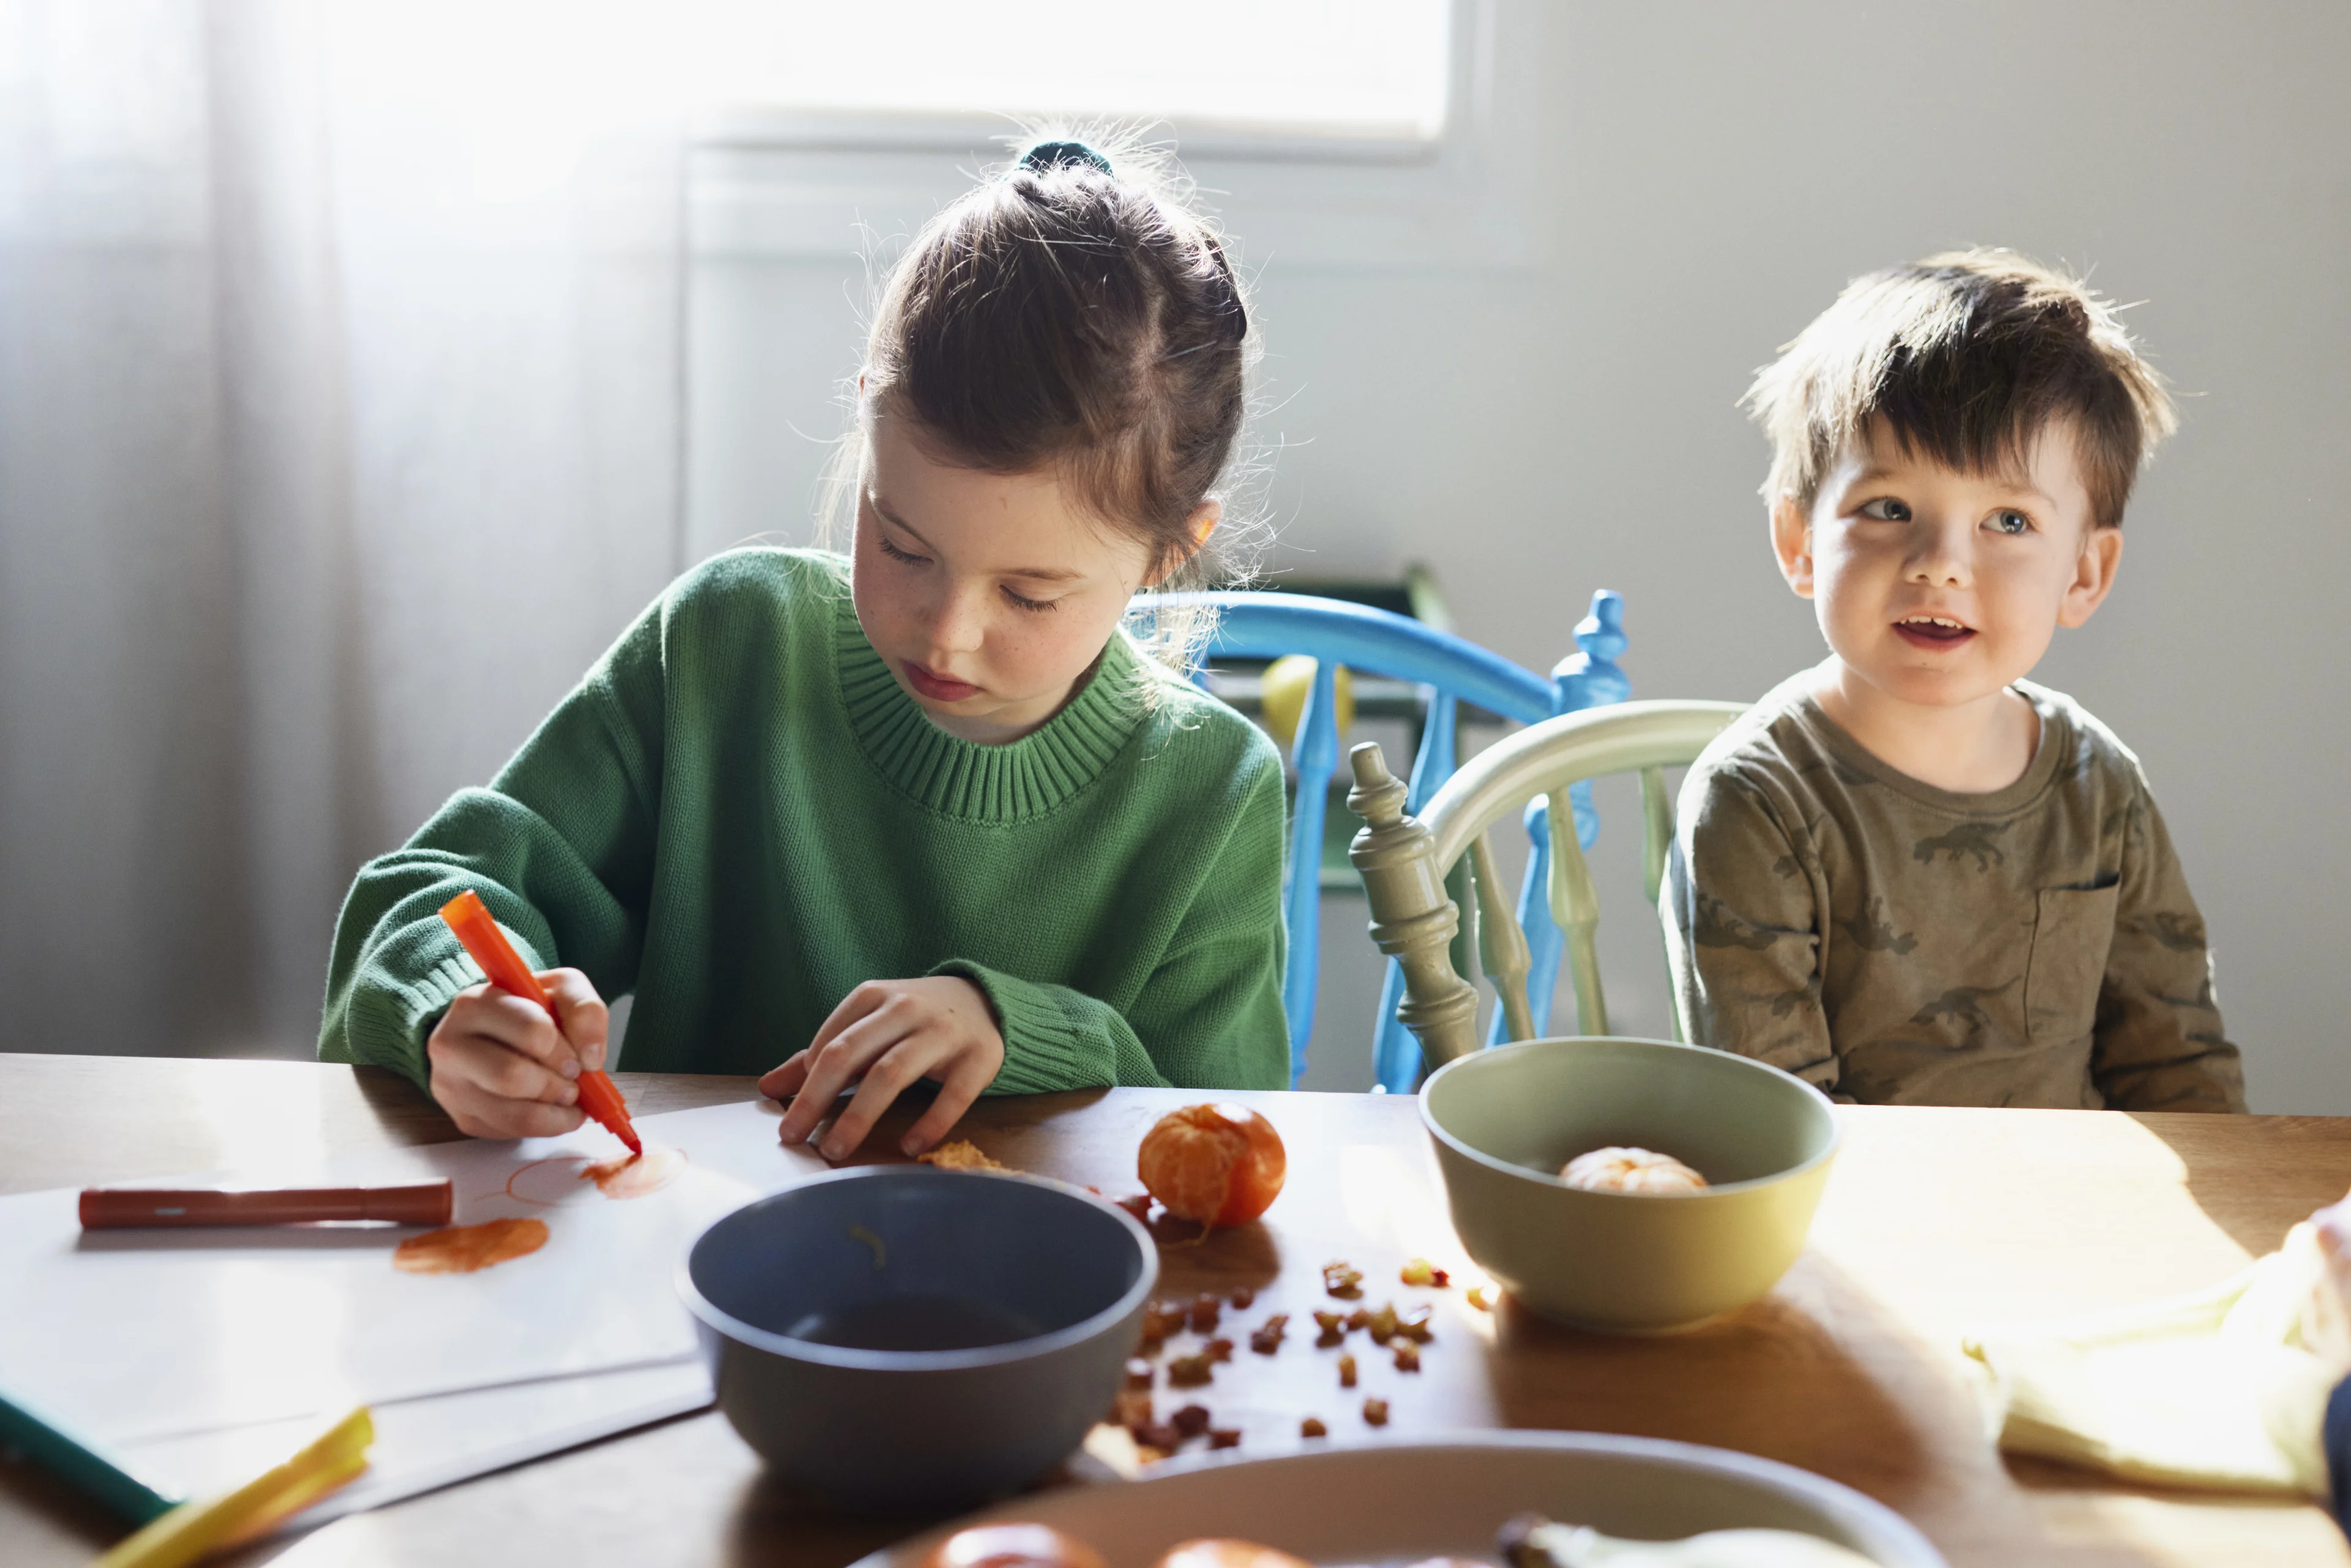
{"x": 924, "y": 813}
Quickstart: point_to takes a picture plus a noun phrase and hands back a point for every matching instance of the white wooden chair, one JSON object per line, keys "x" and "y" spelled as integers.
{"x": 1404, "y": 860}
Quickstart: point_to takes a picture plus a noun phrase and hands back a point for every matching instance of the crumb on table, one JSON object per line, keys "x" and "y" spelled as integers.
{"x": 962, "y": 1154}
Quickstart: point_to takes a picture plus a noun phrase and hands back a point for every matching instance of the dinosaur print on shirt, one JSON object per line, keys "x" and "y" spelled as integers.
{"x": 1966, "y": 839}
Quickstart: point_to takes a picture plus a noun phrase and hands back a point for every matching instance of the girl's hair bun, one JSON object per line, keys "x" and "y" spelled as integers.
{"x": 1048, "y": 156}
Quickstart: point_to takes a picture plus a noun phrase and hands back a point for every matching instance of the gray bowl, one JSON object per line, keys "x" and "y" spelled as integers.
{"x": 906, "y": 1338}
{"x": 1504, "y": 1121}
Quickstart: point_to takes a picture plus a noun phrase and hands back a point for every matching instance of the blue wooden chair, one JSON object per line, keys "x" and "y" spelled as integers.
{"x": 1451, "y": 670}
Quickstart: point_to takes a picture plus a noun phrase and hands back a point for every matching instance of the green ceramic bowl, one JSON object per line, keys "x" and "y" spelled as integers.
{"x": 1504, "y": 1121}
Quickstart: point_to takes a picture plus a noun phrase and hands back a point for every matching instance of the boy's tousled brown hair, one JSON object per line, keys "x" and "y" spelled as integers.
{"x": 1075, "y": 315}
{"x": 1965, "y": 357}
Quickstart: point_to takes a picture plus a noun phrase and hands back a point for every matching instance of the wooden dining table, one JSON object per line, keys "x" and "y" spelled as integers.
{"x": 1934, "y": 1222}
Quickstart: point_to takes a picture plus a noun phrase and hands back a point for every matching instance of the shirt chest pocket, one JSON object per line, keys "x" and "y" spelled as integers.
{"x": 2073, "y": 933}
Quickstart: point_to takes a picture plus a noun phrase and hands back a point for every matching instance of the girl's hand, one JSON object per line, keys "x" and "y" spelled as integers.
{"x": 2326, "y": 1318}
{"x": 501, "y": 1067}
{"x": 888, "y": 1033}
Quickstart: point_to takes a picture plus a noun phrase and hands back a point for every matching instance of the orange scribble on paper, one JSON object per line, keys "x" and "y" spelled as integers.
{"x": 635, "y": 1176}
{"x": 465, "y": 1249}
{"x": 553, "y": 1182}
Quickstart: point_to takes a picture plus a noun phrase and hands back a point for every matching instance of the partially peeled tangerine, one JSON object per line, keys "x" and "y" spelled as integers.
{"x": 1632, "y": 1170}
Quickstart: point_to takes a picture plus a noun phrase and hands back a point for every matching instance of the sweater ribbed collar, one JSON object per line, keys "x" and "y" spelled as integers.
{"x": 1016, "y": 782}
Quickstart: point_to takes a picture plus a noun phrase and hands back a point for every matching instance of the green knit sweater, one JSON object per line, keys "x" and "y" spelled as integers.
{"x": 738, "y": 817}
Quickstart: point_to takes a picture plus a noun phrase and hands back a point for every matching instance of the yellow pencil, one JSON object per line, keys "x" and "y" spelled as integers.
{"x": 194, "y": 1530}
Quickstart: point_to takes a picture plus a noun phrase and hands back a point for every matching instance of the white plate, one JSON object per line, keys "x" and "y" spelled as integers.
{"x": 1386, "y": 1503}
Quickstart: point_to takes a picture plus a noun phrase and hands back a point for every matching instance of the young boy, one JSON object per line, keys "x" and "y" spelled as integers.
{"x": 1908, "y": 875}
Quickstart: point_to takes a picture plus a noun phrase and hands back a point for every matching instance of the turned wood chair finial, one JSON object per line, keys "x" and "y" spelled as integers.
{"x": 1406, "y": 861}
{"x": 1416, "y": 922}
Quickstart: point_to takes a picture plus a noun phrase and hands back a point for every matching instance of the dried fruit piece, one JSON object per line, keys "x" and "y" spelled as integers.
{"x": 1244, "y": 1298}
{"x": 1412, "y": 1323}
{"x": 1161, "y": 1436}
{"x": 1312, "y": 1427}
{"x": 1419, "y": 1271}
{"x": 1407, "y": 1358}
{"x": 1218, "y": 1165}
{"x": 1360, "y": 1317}
{"x": 1266, "y": 1338}
{"x": 1382, "y": 1327}
{"x": 1224, "y": 1436}
{"x": 1206, "y": 1310}
{"x": 1347, "y": 1372}
{"x": 1342, "y": 1281}
{"x": 1376, "y": 1412}
{"x": 1192, "y": 1420}
{"x": 1333, "y": 1324}
{"x": 1477, "y": 1297}
{"x": 1139, "y": 1373}
{"x": 1131, "y": 1409}
{"x": 1218, "y": 1350}
{"x": 1190, "y": 1371}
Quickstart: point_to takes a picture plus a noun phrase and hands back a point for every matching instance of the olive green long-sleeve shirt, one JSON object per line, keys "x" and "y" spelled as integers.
{"x": 1898, "y": 944}
{"x": 738, "y": 817}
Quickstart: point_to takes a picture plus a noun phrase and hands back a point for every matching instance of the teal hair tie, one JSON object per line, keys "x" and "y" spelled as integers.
{"x": 1048, "y": 156}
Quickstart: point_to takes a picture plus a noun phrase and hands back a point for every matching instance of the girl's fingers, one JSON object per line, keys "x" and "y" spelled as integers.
{"x": 481, "y": 1116}
{"x": 869, "y": 998}
{"x": 906, "y": 1062}
{"x": 509, "y": 1075}
{"x": 521, "y": 1026}
{"x": 585, "y": 1021}
{"x": 469, "y": 1079}
{"x": 494, "y": 1070}
{"x": 786, "y": 1078}
{"x": 969, "y": 1075}
{"x": 833, "y": 1067}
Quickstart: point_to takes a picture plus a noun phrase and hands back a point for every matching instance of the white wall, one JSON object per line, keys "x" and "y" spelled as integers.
{"x": 1702, "y": 178}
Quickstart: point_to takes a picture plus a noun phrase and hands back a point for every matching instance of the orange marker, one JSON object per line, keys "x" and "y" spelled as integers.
{"x": 469, "y": 917}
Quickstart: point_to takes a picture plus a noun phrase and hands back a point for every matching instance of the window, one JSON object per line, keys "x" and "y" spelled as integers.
{"x": 1324, "y": 133}
{"x": 1334, "y": 78}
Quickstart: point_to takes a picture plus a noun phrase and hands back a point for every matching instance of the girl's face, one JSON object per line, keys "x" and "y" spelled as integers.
{"x": 989, "y": 595}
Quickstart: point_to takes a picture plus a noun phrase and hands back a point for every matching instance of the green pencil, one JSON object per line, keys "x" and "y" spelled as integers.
{"x": 86, "y": 1463}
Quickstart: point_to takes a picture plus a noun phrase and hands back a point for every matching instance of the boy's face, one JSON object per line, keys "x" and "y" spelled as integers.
{"x": 1937, "y": 588}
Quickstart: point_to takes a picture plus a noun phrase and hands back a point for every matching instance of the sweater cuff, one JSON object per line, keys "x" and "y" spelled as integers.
{"x": 391, "y": 1019}
{"x": 1045, "y": 1047}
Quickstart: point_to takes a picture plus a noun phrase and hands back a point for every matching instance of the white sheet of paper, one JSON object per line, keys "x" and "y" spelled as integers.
{"x": 138, "y": 1336}
{"x": 422, "y": 1443}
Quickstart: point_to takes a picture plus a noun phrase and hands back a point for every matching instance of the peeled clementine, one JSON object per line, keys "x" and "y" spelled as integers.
{"x": 1020, "y": 1545}
{"x": 1220, "y": 1165}
{"x": 1226, "y": 1553}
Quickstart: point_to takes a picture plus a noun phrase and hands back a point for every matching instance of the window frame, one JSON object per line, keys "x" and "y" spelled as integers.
{"x": 766, "y": 128}
{"x": 780, "y": 185}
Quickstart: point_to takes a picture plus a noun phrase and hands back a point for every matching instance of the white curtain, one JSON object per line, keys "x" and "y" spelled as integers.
{"x": 340, "y": 427}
